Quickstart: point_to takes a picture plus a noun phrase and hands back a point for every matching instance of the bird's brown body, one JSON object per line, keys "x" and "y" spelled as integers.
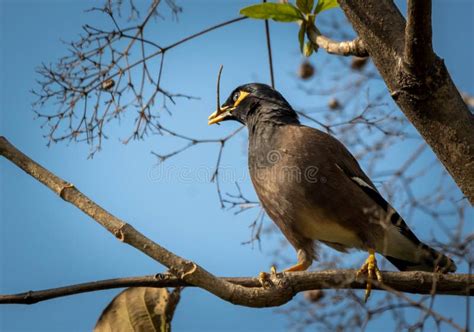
{"x": 280, "y": 168}
{"x": 294, "y": 174}
{"x": 314, "y": 189}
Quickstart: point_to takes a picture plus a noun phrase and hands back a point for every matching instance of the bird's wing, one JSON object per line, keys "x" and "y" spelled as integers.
{"x": 350, "y": 168}
{"x": 336, "y": 153}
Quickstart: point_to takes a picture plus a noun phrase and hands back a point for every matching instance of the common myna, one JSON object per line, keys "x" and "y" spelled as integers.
{"x": 314, "y": 189}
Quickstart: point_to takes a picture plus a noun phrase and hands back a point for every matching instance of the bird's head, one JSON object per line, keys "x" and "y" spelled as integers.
{"x": 254, "y": 101}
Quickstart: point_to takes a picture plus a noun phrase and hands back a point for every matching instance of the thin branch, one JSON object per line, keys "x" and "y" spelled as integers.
{"x": 418, "y": 53}
{"x": 200, "y": 33}
{"x": 269, "y": 48}
{"x": 98, "y": 72}
{"x": 354, "y": 47}
{"x": 408, "y": 282}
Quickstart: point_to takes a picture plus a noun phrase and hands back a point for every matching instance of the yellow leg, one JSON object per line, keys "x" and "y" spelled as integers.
{"x": 301, "y": 266}
{"x": 371, "y": 270}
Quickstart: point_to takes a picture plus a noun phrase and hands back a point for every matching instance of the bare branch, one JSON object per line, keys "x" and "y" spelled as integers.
{"x": 418, "y": 53}
{"x": 354, "y": 47}
{"x": 96, "y": 83}
{"x": 408, "y": 282}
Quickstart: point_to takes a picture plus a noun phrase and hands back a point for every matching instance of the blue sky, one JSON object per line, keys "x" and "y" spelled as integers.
{"x": 46, "y": 243}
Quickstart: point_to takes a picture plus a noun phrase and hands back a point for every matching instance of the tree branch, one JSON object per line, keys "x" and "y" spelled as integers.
{"x": 278, "y": 288}
{"x": 418, "y": 53}
{"x": 280, "y": 292}
{"x": 408, "y": 282}
{"x": 430, "y": 101}
{"x": 354, "y": 47}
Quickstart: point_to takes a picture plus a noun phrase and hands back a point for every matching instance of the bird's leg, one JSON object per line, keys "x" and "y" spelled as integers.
{"x": 303, "y": 262}
{"x": 370, "y": 269}
{"x": 300, "y": 266}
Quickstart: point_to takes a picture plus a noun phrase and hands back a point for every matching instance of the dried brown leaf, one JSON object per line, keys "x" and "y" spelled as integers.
{"x": 139, "y": 309}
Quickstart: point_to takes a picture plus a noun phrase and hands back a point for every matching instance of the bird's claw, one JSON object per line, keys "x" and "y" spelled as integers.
{"x": 371, "y": 270}
{"x": 265, "y": 278}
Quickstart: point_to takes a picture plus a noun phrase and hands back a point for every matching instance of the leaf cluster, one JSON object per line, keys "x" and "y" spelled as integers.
{"x": 304, "y": 13}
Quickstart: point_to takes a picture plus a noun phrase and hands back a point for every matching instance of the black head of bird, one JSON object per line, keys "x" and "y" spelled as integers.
{"x": 255, "y": 101}
{"x": 335, "y": 203}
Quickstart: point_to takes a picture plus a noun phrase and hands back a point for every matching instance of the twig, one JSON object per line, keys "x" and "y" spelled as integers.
{"x": 269, "y": 48}
{"x": 428, "y": 310}
{"x": 354, "y": 47}
{"x": 218, "y": 89}
{"x": 86, "y": 77}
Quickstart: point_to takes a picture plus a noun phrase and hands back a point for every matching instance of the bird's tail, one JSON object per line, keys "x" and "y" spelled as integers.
{"x": 427, "y": 259}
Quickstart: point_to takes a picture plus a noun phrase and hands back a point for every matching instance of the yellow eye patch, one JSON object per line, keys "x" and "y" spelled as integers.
{"x": 242, "y": 96}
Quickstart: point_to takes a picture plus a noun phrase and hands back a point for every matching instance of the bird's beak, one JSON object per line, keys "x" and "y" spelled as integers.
{"x": 219, "y": 115}
{"x": 223, "y": 112}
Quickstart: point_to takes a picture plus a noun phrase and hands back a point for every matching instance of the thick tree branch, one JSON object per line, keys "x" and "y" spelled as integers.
{"x": 430, "y": 101}
{"x": 408, "y": 282}
{"x": 354, "y": 47}
{"x": 419, "y": 54}
{"x": 279, "y": 288}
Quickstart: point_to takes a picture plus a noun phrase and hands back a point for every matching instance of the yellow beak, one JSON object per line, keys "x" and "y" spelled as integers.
{"x": 223, "y": 112}
{"x": 219, "y": 115}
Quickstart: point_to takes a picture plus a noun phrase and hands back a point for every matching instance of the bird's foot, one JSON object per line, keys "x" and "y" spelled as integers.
{"x": 265, "y": 278}
{"x": 370, "y": 269}
{"x": 301, "y": 266}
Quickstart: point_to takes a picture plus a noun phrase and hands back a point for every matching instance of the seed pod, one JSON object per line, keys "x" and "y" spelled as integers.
{"x": 358, "y": 63}
{"x": 314, "y": 295}
{"x": 108, "y": 84}
{"x": 306, "y": 70}
{"x": 334, "y": 104}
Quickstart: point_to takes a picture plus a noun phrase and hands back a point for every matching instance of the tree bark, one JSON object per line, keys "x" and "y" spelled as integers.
{"x": 418, "y": 80}
{"x": 408, "y": 282}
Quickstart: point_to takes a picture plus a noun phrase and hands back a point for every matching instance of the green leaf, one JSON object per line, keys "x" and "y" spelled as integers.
{"x": 301, "y": 34}
{"x": 308, "y": 49}
{"x": 305, "y": 5}
{"x": 282, "y": 12}
{"x": 325, "y": 5}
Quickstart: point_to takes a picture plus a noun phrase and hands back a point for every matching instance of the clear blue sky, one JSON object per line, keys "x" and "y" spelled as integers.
{"x": 46, "y": 243}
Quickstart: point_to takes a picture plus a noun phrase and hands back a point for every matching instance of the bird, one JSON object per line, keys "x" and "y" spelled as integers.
{"x": 315, "y": 191}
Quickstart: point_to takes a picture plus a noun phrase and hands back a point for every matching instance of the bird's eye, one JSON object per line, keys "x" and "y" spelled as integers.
{"x": 235, "y": 97}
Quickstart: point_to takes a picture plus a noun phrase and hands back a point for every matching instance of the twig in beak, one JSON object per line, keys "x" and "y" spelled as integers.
{"x": 218, "y": 106}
